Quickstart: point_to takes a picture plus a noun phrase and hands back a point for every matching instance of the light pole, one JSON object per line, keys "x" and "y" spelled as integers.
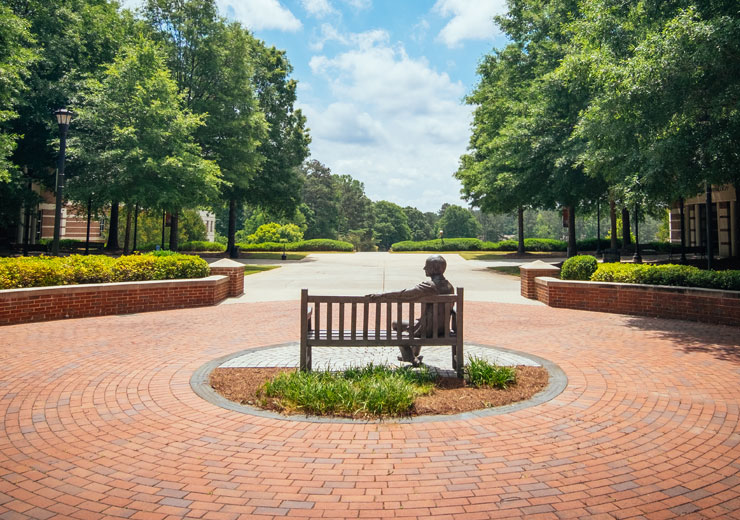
{"x": 89, "y": 214}
{"x": 63, "y": 116}
{"x": 637, "y": 258}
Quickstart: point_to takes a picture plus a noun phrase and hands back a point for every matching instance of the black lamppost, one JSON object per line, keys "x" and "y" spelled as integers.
{"x": 64, "y": 116}
{"x": 598, "y": 226}
{"x": 89, "y": 215}
{"x": 637, "y": 258}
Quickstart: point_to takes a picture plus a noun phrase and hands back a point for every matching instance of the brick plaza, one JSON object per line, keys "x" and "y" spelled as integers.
{"x": 99, "y": 421}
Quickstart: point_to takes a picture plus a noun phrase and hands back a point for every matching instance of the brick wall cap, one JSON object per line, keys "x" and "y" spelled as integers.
{"x": 539, "y": 265}
{"x": 226, "y": 262}
{"x": 57, "y": 289}
{"x": 699, "y": 291}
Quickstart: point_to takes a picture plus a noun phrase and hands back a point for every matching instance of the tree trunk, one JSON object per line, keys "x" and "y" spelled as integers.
{"x": 708, "y": 229}
{"x": 174, "y": 217}
{"x": 572, "y": 248}
{"x": 113, "y": 228}
{"x": 626, "y": 241}
{"x": 520, "y": 223}
{"x": 127, "y": 234}
{"x": 736, "y": 223}
{"x": 613, "y": 218}
{"x": 232, "y": 228}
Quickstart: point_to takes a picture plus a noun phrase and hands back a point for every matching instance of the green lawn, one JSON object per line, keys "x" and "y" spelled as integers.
{"x": 512, "y": 270}
{"x": 274, "y": 255}
{"x": 252, "y": 269}
{"x": 495, "y": 255}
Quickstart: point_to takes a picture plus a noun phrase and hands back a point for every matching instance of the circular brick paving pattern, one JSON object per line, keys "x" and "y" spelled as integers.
{"x": 99, "y": 420}
{"x": 437, "y": 359}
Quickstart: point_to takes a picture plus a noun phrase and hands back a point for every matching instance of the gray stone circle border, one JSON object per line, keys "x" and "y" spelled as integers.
{"x": 558, "y": 381}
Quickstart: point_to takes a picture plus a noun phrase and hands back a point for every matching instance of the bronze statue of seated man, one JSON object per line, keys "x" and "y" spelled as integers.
{"x": 434, "y": 268}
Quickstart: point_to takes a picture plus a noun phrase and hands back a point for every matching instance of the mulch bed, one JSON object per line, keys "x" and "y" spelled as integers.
{"x": 451, "y": 395}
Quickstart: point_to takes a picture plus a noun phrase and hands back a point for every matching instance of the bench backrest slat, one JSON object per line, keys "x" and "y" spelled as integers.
{"x": 354, "y": 320}
{"x": 365, "y": 319}
{"x": 329, "y": 324}
{"x": 377, "y": 320}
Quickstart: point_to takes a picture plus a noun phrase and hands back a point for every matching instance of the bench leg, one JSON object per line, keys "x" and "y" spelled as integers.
{"x": 305, "y": 357}
{"x": 459, "y": 360}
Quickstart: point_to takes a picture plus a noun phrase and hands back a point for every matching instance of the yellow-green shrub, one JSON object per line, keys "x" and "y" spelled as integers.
{"x": 44, "y": 271}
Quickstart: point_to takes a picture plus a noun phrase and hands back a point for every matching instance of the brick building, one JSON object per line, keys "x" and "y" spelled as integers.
{"x": 724, "y": 208}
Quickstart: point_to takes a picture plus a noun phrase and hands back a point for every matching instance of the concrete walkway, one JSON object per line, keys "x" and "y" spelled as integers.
{"x": 363, "y": 273}
{"x": 99, "y": 421}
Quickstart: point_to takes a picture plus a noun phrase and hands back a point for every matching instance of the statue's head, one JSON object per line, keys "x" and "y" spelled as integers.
{"x": 435, "y": 264}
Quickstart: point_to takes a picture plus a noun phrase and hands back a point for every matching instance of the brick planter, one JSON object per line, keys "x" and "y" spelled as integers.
{"x": 79, "y": 301}
{"x": 660, "y": 301}
{"x": 528, "y": 273}
{"x": 234, "y": 271}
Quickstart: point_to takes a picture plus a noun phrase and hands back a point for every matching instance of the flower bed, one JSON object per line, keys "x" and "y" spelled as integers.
{"x": 707, "y": 305}
{"x": 78, "y": 300}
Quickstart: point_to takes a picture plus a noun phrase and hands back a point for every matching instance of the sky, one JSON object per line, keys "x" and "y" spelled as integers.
{"x": 382, "y": 84}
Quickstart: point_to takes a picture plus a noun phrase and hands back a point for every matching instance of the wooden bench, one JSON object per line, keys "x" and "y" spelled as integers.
{"x": 345, "y": 321}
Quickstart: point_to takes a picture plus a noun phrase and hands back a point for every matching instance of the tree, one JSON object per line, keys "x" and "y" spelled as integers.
{"x": 278, "y": 185}
{"x": 274, "y": 232}
{"x": 355, "y": 208}
{"x": 134, "y": 141}
{"x": 322, "y": 202}
{"x": 16, "y": 59}
{"x": 665, "y": 119}
{"x": 391, "y": 224}
{"x": 420, "y": 227}
{"x": 70, "y": 40}
{"x": 459, "y": 222}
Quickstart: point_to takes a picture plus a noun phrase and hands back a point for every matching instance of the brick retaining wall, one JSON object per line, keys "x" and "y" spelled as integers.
{"x": 79, "y": 301}
{"x": 685, "y": 303}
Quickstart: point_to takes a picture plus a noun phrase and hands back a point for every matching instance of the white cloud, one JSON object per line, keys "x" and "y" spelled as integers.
{"x": 260, "y": 14}
{"x": 471, "y": 19}
{"x": 359, "y": 4}
{"x": 394, "y": 122}
{"x": 318, "y": 8}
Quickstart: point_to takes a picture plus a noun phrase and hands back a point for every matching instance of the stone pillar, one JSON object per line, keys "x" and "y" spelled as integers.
{"x": 531, "y": 271}
{"x": 235, "y": 272}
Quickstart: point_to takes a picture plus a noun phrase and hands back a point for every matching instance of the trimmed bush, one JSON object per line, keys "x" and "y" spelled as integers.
{"x": 579, "y": 267}
{"x": 44, "y": 271}
{"x": 667, "y": 274}
{"x": 448, "y": 244}
{"x": 473, "y": 244}
{"x": 316, "y": 244}
{"x": 202, "y": 245}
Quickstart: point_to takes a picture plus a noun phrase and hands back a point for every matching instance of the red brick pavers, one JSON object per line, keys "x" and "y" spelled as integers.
{"x": 99, "y": 421}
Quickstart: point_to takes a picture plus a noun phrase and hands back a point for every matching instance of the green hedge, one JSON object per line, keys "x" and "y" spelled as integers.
{"x": 473, "y": 244}
{"x": 316, "y": 244}
{"x": 202, "y": 245}
{"x": 44, "y": 271}
{"x": 579, "y": 267}
{"x": 667, "y": 274}
{"x": 530, "y": 244}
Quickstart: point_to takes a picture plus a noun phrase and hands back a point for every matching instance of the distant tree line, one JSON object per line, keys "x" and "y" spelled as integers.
{"x": 620, "y": 104}
{"x": 336, "y": 207}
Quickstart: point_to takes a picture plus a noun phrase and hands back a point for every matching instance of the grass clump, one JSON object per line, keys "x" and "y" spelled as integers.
{"x": 252, "y": 269}
{"x": 479, "y": 372}
{"x": 371, "y": 391}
